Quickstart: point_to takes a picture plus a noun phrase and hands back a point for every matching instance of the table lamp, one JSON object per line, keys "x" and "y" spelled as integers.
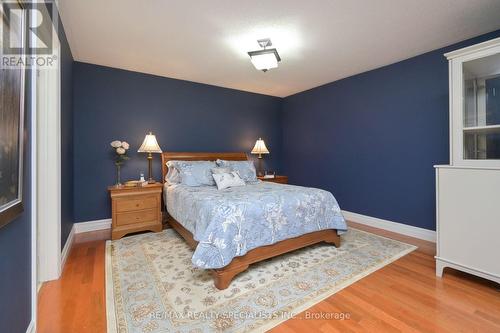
{"x": 150, "y": 146}
{"x": 260, "y": 148}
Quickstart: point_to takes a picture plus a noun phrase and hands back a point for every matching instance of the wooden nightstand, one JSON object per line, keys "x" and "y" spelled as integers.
{"x": 276, "y": 179}
{"x": 135, "y": 209}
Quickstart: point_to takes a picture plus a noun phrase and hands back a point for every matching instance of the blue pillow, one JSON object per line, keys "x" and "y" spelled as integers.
{"x": 245, "y": 169}
{"x": 173, "y": 176}
{"x": 194, "y": 173}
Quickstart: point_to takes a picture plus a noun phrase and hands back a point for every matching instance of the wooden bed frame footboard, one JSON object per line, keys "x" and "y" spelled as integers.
{"x": 224, "y": 276}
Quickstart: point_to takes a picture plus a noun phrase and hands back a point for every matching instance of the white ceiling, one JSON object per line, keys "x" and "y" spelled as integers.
{"x": 319, "y": 40}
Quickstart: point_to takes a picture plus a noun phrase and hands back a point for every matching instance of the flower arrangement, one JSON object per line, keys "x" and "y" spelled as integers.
{"x": 120, "y": 149}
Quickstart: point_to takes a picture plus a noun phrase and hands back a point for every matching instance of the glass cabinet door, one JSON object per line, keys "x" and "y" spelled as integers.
{"x": 481, "y": 108}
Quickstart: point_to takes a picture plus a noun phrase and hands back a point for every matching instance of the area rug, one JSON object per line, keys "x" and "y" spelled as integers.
{"x": 151, "y": 285}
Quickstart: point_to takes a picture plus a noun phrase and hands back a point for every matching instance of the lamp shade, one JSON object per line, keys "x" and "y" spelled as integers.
{"x": 264, "y": 61}
{"x": 260, "y": 147}
{"x": 150, "y": 145}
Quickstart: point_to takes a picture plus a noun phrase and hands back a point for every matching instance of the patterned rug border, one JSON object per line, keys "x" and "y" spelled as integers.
{"x": 110, "y": 301}
{"x": 385, "y": 237}
{"x": 110, "y": 297}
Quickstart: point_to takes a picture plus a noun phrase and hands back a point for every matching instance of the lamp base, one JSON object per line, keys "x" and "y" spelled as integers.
{"x": 150, "y": 169}
{"x": 260, "y": 172}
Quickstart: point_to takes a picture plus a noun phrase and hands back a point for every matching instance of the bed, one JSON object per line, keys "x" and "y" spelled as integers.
{"x": 233, "y": 228}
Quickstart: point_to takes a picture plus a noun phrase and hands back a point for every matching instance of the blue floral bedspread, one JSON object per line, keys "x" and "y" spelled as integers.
{"x": 229, "y": 223}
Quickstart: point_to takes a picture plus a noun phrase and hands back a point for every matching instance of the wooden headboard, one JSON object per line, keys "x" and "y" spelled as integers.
{"x": 169, "y": 156}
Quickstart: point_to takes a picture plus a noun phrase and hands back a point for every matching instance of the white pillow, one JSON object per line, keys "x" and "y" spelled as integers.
{"x": 225, "y": 180}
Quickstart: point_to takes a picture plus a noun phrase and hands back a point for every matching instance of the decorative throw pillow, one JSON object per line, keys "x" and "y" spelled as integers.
{"x": 225, "y": 180}
{"x": 245, "y": 169}
{"x": 195, "y": 173}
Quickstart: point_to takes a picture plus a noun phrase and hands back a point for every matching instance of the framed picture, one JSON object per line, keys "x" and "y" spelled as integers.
{"x": 12, "y": 88}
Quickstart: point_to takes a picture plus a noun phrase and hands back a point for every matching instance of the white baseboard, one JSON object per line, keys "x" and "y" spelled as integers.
{"x": 77, "y": 229}
{"x": 92, "y": 226}
{"x": 31, "y": 327}
{"x": 67, "y": 247}
{"x": 400, "y": 228}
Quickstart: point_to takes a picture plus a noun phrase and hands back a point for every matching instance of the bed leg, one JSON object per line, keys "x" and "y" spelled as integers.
{"x": 333, "y": 238}
{"x": 223, "y": 277}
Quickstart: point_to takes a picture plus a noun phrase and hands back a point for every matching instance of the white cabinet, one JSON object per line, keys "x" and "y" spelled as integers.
{"x": 468, "y": 190}
{"x": 468, "y": 215}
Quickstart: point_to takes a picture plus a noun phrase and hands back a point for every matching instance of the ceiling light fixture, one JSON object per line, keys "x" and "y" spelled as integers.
{"x": 265, "y": 59}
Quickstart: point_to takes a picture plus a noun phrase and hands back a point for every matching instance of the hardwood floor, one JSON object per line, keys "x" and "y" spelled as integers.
{"x": 76, "y": 302}
{"x": 404, "y": 296}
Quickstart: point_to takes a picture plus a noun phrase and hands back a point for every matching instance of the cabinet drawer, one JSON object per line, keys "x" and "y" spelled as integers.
{"x": 150, "y": 215}
{"x": 129, "y": 205}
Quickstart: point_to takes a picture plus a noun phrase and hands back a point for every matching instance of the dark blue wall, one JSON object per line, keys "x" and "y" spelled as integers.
{"x": 67, "y": 213}
{"x": 112, "y": 104}
{"x": 15, "y": 251}
{"x": 372, "y": 139}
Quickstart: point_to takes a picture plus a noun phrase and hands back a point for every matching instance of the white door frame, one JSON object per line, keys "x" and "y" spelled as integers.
{"x": 34, "y": 242}
{"x": 45, "y": 182}
{"x": 48, "y": 178}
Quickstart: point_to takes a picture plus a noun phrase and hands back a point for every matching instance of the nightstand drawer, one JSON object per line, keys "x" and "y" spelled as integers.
{"x": 149, "y": 215}
{"x": 130, "y": 205}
